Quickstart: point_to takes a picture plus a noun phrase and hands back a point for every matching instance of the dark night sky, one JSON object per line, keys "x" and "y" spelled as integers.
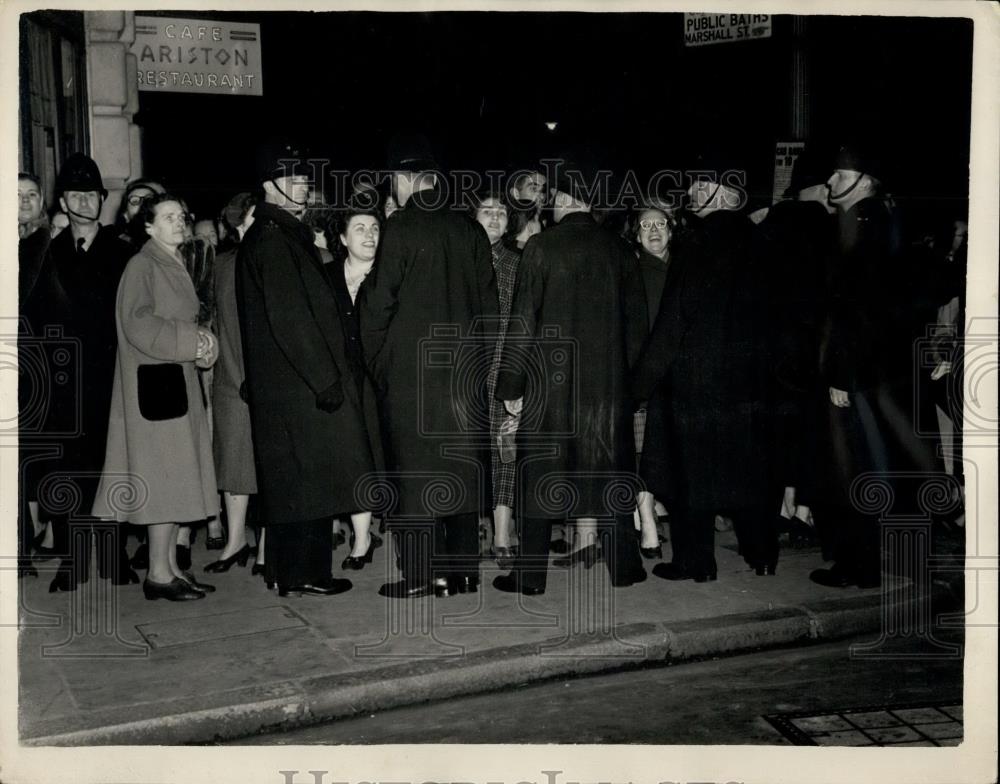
{"x": 482, "y": 84}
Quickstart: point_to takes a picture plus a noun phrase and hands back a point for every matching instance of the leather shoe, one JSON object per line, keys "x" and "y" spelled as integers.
{"x": 401, "y": 590}
{"x": 652, "y": 553}
{"x": 587, "y": 556}
{"x": 203, "y": 587}
{"x": 332, "y": 587}
{"x": 463, "y": 584}
{"x": 508, "y": 583}
{"x": 671, "y": 571}
{"x": 177, "y": 590}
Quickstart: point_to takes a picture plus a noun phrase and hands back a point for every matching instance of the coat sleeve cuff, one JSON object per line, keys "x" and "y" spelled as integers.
{"x": 187, "y": 341}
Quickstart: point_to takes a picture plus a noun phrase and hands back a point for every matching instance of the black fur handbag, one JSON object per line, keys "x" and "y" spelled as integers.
{"x": 162, "y": 391}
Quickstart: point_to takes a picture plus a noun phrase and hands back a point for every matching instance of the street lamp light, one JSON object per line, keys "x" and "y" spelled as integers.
{"x": 551, "y": 125}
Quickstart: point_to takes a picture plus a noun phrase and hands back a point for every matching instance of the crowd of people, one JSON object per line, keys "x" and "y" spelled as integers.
{"x": 534, "y": 363}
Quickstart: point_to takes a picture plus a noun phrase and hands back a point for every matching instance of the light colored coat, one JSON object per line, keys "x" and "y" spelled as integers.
{"x": 156, "y": 471}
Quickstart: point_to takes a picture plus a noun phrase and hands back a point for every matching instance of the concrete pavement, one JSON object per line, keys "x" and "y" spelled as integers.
{"x": 105, "y": 666}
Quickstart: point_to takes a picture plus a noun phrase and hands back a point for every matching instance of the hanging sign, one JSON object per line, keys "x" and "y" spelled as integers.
{"x": 702, "y": 29}
{"x": 197, "y": 56}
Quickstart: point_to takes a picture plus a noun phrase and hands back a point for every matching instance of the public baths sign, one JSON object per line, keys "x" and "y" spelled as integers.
{"x": 197, "y": 56}
{"x": 702, "y": 29}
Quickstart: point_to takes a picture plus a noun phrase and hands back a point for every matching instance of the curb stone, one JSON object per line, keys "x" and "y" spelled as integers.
{"x": 301, "y": 702}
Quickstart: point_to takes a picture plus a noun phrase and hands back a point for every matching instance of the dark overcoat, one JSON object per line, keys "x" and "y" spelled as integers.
{"x": 309, "y": 462}
{"x": 424, "y": 312}
{"x": 705, "y": 361}
{"x": 799, "y": 241}
{"x": 74, "y": 298}
{"x": 577, "y": 322}
{"x": 877, "y": 311}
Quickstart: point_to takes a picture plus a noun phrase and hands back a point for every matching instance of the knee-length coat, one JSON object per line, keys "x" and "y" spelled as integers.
{"x": 705, "y": 358}
{"x": 424, "y": 312}
{"x": 310, "y": 463}
{"x": 74, "y": 295}
{"x": 577, "y": 323}
{"x": 156, "y": 471}
{"x": 233, "y": 441}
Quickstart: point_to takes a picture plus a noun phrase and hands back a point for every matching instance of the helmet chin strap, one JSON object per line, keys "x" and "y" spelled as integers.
{"x": 842, "y": 194}
{"x": 708, "y": 200}
{"x": 289, "y": 198}
{"x": 100, "y": 202}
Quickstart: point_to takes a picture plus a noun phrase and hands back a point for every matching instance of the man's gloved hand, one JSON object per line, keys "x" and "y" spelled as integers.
{"x": 331, "y": 398}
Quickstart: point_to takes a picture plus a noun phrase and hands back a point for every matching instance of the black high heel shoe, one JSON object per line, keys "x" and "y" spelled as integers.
{"x": 225, "y": 564}
{"x": 652, "y": 553}
{"x": 586, "y": 555}
{"x": 357, "y": 563}
{"x": 63, "y": 581}
{"x": 214, "y": 542}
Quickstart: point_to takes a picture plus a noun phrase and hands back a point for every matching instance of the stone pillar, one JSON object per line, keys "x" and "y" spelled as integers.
{"x": 113, "y": 100}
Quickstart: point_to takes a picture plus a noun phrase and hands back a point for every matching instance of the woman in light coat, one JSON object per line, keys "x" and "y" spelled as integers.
{"x": 158, "y": 468}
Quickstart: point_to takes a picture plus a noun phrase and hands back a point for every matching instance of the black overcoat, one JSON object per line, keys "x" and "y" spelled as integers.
{"x": 309, "y": 462}
{"x": 879, "y": 308}
{"x": 72, "y": 310}
{"x": 799, "y": 241}
{"x": 424, "y": 311}
{"x": 577, "y": 323}
{"x": 705, "y": 361}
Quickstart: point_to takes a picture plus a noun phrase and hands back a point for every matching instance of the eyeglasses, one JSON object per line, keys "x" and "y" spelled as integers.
{"x": 135, "y": 201}
{"x": 648, "y": 224}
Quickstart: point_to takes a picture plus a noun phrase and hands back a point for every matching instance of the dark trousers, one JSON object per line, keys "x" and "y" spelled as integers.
{"x": 851, "y": 539}
{"x": 618, "y": 544}
{"x": 692, "y": 539}
{"x": 756, "y": 529}
{"x": 72, "y": 541}
{"x": 437, "y": 547}
{"x": 300, "y": 553}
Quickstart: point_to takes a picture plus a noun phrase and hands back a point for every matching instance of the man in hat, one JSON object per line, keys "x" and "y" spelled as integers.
{"x": 705, "y": 358}
{"x": 579, "y": 309}
{"x": 75, "y": 294}
{"x": 798, "y": 235}
{"x": 311, "y": 438}
{"x": 873, "y": 320}
{"x": 424, "y": 322}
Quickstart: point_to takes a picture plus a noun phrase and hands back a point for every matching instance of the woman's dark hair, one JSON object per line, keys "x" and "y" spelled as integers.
{"x": 31, "y": 178}
{"x": 147, "y": 213}
{"x": 342, "y": 219}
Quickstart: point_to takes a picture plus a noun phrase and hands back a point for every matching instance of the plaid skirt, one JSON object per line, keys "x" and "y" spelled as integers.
{"x": 503, "y": 473}
{"x": 639, "y": 429}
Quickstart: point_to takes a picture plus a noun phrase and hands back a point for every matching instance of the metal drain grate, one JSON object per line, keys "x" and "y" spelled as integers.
{"x": 881, "y": 725}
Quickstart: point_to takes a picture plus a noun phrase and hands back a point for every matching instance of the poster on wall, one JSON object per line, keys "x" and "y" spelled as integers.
{"x": 785, "y": 154}
{"x": 198, "y": 56}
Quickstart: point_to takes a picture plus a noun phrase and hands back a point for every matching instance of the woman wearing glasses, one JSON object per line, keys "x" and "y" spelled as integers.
{"x": 654, "y": 231}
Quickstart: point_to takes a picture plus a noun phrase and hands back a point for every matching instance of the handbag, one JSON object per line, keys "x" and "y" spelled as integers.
{"x": 162, "y": 391}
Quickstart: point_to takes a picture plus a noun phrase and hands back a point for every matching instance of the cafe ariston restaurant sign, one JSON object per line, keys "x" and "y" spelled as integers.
{"x": 197, "y": 56}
